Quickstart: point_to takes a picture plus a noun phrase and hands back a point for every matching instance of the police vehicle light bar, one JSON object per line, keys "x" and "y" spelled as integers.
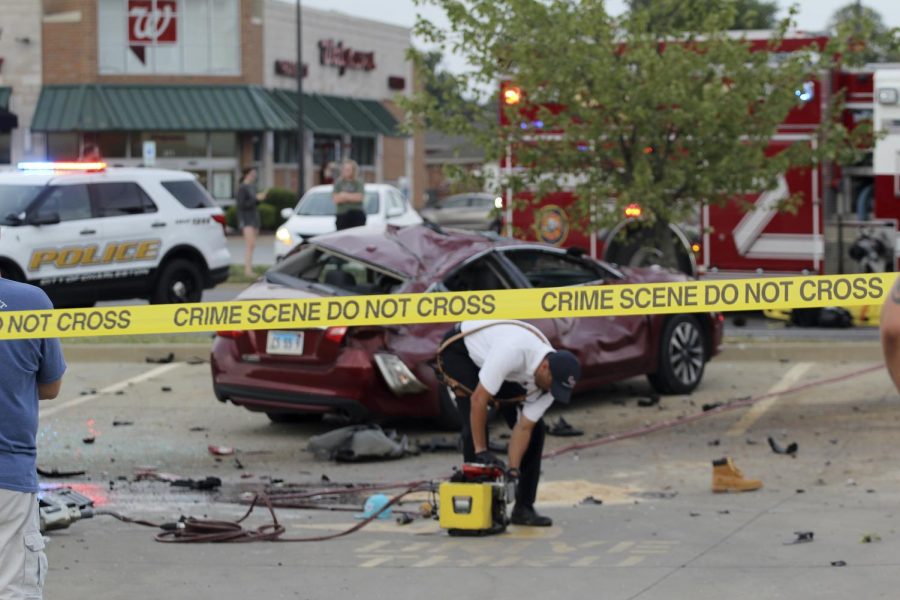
{"x": 86, "y": 167}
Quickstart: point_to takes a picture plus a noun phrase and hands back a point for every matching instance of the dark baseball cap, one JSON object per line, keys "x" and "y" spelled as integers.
{"x": 565, "y": 370}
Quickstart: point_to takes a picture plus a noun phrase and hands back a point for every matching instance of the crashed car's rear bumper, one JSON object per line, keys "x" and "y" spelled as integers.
{"x": 268, "y": 400}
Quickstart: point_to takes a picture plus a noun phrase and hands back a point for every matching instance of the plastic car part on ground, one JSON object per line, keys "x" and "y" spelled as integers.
{"x": 360, "y": 442}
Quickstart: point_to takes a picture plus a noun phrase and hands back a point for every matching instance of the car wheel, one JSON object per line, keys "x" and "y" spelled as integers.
{"x": 682, "y": 357}
{"x": 448, "y": 419}
{"x": 10, "y": 271}
{"x": 179, "y": 281}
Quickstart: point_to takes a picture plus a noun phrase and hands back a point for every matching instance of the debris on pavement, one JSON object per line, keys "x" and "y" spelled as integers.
{"x": 210, "y": 483}
{"x": 197, "y": 429}
{"x": 802, "y": 537}
{"x": 88, "y": 392}
{"x": 850, "y": 482}
{"x": 360, "y": 442}
{"x": 713, "y": 442}
{"x": 164, "y": 360}
{"x": 404, "y": 519}
{"x": 151, "y": 474}
{"x": 694, "y": 514}
{"x": 195, "y": 360}
{"x": 563, "y": 428}
{"x": 88, "y": 440}
{"x": 870, "y": 538}
{"x": 711, "y": 406}
{"x": 122, "y": 423}
{"x": 221, "y": 450}
{"x": 791, "y": 448}
{"x": 54, "y": 472}
{"x": 440, "y": 444}
{"x": 654, "y": 495}
{"x": 751, "y": 442}
{"x": 838, "y": 563}
{"x": 166, "y": 388}
{"x": 648, "y": 401}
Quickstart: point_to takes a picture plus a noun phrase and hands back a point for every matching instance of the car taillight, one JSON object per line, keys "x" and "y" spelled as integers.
{"x": 220, "y": 219}
{"x": 336, "y": 334}
{"x": 232, "y": 335}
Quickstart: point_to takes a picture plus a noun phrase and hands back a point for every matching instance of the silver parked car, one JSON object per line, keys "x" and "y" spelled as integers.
{"x": 474, "y": 210}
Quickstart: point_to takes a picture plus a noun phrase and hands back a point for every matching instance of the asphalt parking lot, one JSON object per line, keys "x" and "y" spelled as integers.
{"x": 660, "y": 532}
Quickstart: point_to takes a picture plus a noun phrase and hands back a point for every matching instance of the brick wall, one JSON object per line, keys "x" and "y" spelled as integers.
{"x": 70, "y": 47}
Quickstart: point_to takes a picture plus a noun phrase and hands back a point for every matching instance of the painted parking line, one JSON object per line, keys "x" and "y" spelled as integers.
{"x": 112, "y": 389}
{"x": 501, "y": 552}
{"x": 756, "y": 411}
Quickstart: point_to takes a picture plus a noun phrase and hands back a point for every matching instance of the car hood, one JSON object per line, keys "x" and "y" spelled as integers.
{"x": 264, "y": 290}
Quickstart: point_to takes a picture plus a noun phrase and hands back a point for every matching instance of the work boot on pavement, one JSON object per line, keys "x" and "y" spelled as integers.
{"x": 526, "y": 515}
{"x": 728, "y": 478}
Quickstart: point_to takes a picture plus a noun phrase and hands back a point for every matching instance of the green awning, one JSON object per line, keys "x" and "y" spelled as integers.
{"x": 124, "y": 107}
{"x": 5, "y": 93}
{"x": 114, "y": 107}
{"x": 338, "y": 115}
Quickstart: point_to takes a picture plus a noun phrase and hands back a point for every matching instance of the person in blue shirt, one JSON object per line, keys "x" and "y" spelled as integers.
{"x": 30, "y": 370}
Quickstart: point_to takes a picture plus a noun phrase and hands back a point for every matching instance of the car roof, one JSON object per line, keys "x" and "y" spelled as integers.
{"x": 108, "y": 174}
{"x": 411, "y": 251}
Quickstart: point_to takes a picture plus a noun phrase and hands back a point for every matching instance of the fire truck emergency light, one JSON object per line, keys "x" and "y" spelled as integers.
{"x": 85, "y": 167}
{"x": 512, "y": 95}
{"x": 633, "y": 211}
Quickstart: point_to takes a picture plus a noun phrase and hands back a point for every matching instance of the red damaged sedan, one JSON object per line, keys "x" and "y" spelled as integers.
{"x": 387, "y": 371}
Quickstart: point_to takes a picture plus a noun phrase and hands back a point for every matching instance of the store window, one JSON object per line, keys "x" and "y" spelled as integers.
{"x": 223, "y": 144}
{"x": 285, "y": 148}
{"x": 362, "y": 150}
{"x": 5, "y": 148}
{"x": 62, "y": 146}
{"x": 172, "y": 144}
{"x": 326, "y": 149}
{"x": 110, "y": 144}
{"x": 191, "y": 37}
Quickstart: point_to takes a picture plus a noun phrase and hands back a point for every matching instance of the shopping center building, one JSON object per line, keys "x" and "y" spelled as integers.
{"x": 209, "y": 86}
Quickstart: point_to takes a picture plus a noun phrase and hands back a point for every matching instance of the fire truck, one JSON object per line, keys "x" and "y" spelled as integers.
{"x": 846, "y": 219}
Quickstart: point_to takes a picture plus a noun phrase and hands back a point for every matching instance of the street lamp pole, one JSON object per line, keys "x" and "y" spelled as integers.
{"x": 301, "y": 142}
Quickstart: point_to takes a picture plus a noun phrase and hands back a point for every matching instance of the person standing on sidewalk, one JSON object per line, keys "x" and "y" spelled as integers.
{"x": 510, "y": 364}
{"x": 348, "y": 195}
{"x": 248, "y": 200}
{"x": 31, "y": 370}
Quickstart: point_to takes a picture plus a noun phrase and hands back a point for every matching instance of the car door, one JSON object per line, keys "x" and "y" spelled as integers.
{"x": 135, "y": 233}
{"x": 63, "y": 235}
{"x": 490, "y": 272}
{"x": 609, "y": 348}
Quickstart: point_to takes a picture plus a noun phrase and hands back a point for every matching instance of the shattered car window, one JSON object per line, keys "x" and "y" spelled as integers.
{"x": 547, "y": 269}
{"x": 317, "y": 266}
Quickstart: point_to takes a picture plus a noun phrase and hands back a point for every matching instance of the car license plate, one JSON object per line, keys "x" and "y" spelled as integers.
{"x": 285, "y": 342}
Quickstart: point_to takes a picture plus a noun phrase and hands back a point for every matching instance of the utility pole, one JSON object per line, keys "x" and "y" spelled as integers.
{"x": 301, "y": 141}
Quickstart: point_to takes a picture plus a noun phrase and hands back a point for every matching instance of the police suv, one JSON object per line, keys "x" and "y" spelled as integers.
{"x": 84, "y": 232}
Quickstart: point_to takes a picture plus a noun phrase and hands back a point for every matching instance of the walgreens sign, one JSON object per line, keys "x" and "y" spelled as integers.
{"x": 151, "y": 22}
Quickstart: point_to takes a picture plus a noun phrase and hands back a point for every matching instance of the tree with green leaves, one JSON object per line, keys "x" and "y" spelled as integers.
{"x": 865, "y": 25}
{"x": 670, "y": 120}
{"x": 748, "y": 14}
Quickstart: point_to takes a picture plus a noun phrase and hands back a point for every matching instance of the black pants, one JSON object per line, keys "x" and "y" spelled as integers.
{"x": 459, "y": 366}
{"x": 352, "y": 218}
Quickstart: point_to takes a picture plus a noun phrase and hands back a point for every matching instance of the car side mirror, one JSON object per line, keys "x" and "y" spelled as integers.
{"x": 45, "y": 219}
{"x": 287, "y": 213}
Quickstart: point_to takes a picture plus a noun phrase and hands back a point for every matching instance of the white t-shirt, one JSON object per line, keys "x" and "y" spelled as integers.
{"x": 510, "y": 351}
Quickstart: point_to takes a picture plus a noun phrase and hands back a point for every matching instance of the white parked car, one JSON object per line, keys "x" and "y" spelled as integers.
{"x": 314, "y": 214}
{"x": 84, "y": 232}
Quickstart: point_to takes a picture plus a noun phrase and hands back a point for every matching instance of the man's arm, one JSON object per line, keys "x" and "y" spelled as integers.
{"x": 49, "y": 391}
{"x": 890, "y": 333}
{"x": 519, "y": 440}
{"x": 478, "y": 415}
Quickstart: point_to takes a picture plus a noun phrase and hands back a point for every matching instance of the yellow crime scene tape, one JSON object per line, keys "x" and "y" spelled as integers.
{"x": 406, "y": 309}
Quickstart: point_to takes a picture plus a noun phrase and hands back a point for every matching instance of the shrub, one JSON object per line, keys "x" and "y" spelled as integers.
{"x": 281, "y": 198}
